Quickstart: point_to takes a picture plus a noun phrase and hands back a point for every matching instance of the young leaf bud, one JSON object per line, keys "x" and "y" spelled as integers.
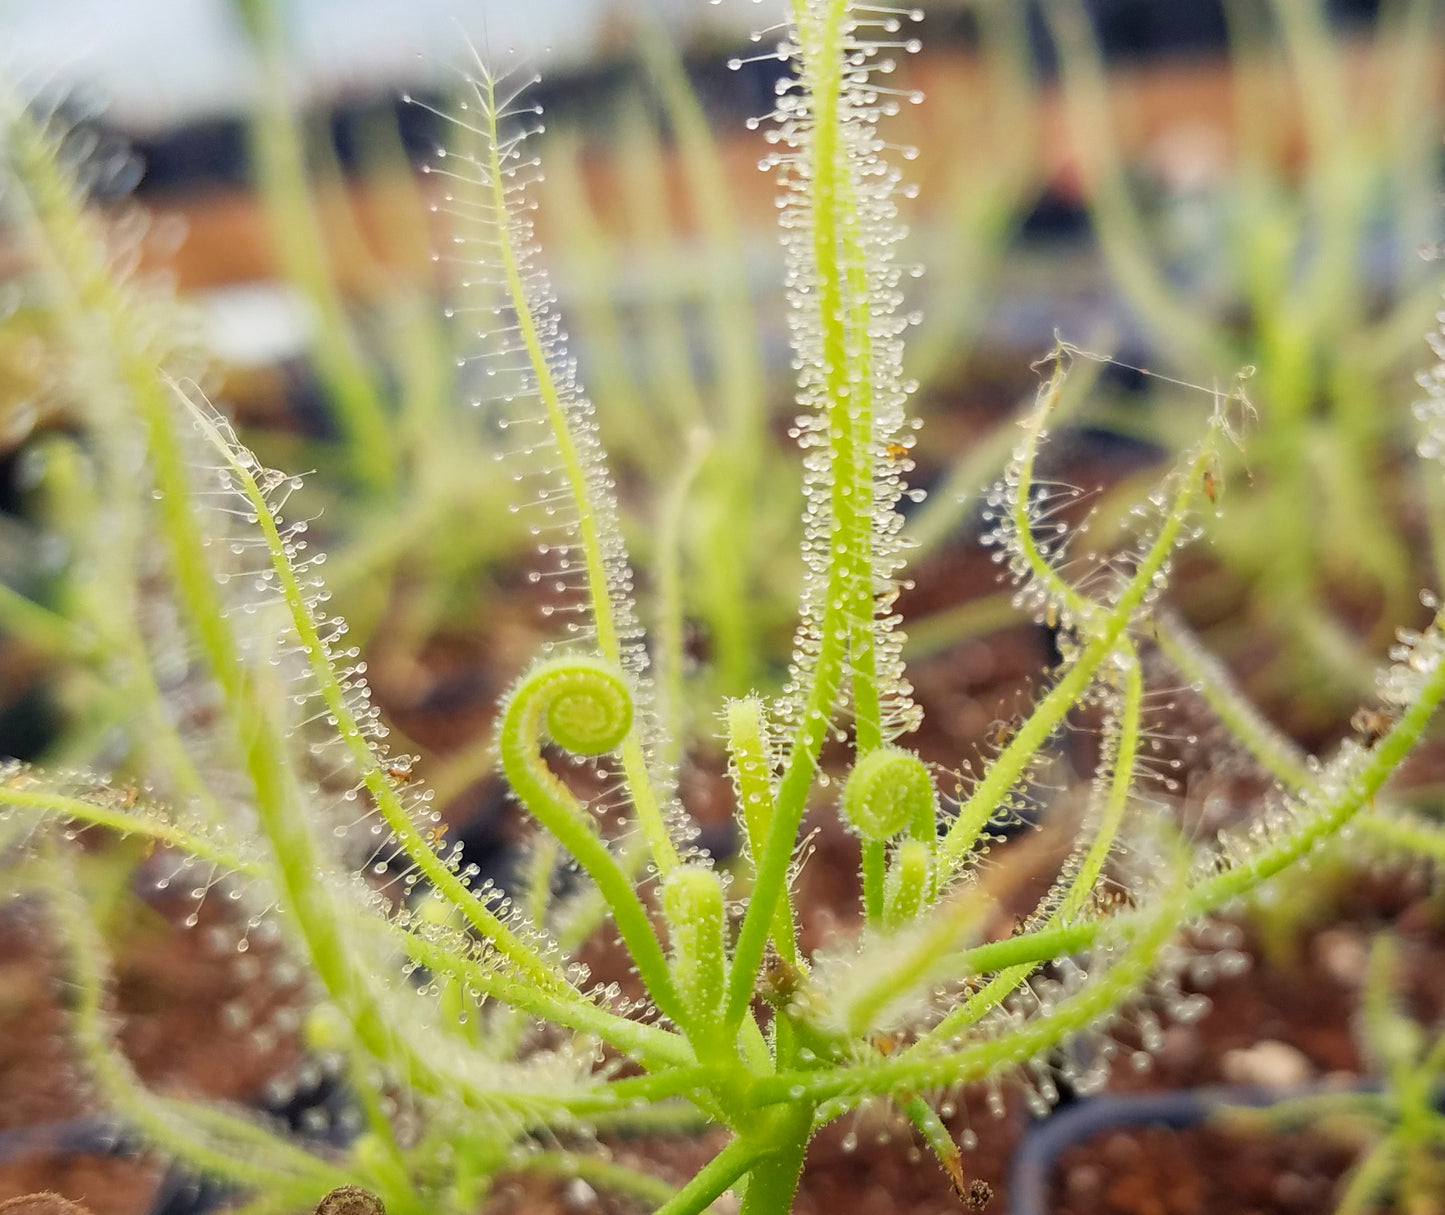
{"x": 888, "y": 792}
{"x": 906, "y": 887}
{"x": 692, "y": 901}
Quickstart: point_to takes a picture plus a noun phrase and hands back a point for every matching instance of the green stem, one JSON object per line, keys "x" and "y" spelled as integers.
{"x": 714, "y": 1178}
{"x": 247, "y": 713}
{"x": 277, "y": 799}
{"x": 1123, "y": 737}
{"x": 1014, "y": 759}
{"x": 208, "y": 1138}
{"x": 914, "y": 960}
{"x": 1319, "y": 819}
{"x": 875, "y": 855}
{"x": 123, "y": 820}
{"x": 752, "y": 777}
{"x": 920, "y": 1071}
{"x": 948, "y": 503}
{"x": 853, "y": 487}
{"x": 850, "y": 531}
{"x": 773, "y": 1182}
{"x": 1276, "y": 753}
{"x": 1076, "y": 608}
{"x": 368, "y": 763}
{"x": 591, "y": 522}
{"x": 652, "y": 1047}
{"x": 587, "y": 709}
{"x": 940, "y": 1142}
{"x": 602, "y": 1174}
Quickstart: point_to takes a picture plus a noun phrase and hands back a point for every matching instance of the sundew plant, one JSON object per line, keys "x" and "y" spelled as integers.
{"x": 472, "y": 1040}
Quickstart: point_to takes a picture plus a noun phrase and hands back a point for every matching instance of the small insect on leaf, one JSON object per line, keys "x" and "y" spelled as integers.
{"x": 1114, "y": 900}
{"x": 896, "y": 451}
{"x": 779, "y": 980}
{"x": 1001, "y": 733}
{"x": 888, "y": 1045}
{"x": 1373, "y": 724}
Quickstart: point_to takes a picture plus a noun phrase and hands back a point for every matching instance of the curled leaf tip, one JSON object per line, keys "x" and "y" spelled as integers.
{"x": 889, "y": 791}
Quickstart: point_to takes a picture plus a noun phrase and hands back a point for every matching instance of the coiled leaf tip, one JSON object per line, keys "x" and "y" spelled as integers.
{"x": 888, "y": 792}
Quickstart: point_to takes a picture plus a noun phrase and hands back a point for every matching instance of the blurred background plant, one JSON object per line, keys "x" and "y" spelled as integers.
{"x": 1264, "y": 211}
{"x": 1286, "y": 236}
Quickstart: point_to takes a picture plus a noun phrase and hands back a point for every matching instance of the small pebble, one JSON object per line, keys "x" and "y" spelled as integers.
{"x": 579, "y": 1196}
{"x": 1121, "y": 1149}
{"x": 1084, "y": 1181}
{"x": 1292, "y": 1190}
{"x": 1267, "y": 1064}
{"x": 1181, "y": 1050}
{"x": 1344, "y": 955}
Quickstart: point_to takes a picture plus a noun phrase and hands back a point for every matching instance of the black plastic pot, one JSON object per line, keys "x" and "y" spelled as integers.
{"x": 1032, "y": 1168}
{"x": 181, "y": 1192}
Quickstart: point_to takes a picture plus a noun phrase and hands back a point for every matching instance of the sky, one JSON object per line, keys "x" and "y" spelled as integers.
{"x": 153, "y": 63}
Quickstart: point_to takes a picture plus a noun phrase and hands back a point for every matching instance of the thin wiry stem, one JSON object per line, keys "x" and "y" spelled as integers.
{"x": 369, "y": 764}
{"x": 592, "y": 509}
